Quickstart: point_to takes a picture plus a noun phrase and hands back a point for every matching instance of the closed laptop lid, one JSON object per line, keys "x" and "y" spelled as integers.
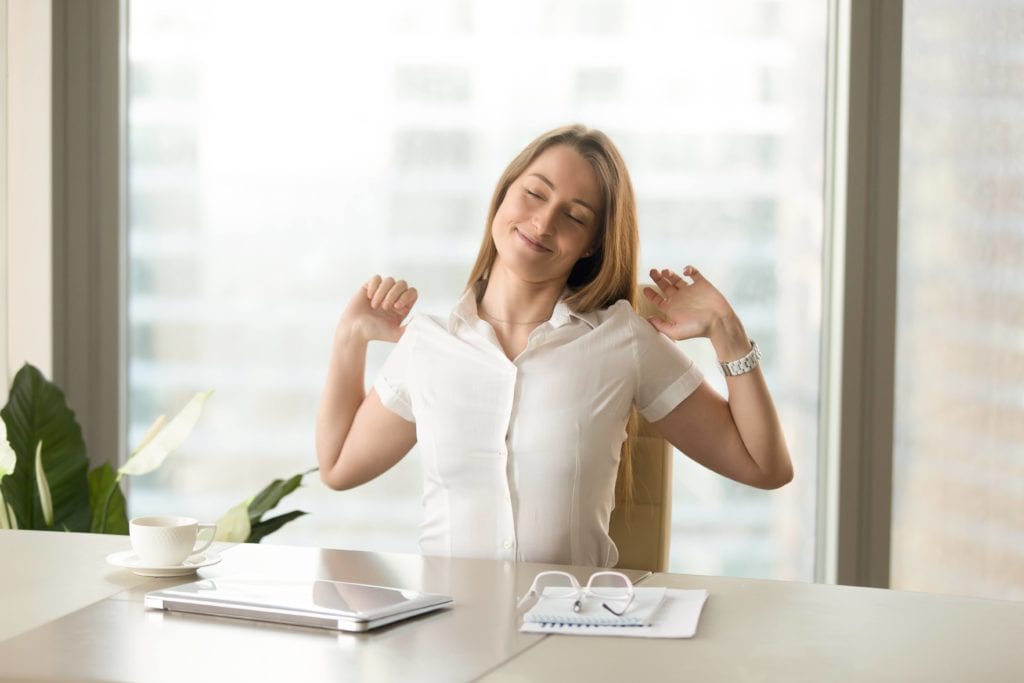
{"x": 315, "y": 602}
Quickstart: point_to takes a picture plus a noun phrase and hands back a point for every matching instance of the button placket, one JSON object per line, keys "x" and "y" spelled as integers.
{"x": 509, "y": 542}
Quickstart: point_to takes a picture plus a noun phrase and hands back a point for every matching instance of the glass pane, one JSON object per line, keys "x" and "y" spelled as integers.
{"x": 277, "y": 159}
{"x": 732, "y": 182}
{"x": 958, "y": 484}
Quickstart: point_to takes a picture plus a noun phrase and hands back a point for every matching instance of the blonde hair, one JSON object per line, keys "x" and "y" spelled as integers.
{"x": 610, "y": 273}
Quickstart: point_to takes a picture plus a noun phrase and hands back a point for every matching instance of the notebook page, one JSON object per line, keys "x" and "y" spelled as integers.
{"x": 551, "y": 609}
{"x": 678, "y": 617}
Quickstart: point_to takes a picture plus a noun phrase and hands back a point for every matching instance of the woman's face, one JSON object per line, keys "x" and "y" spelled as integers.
{"x": 548, "y": 218}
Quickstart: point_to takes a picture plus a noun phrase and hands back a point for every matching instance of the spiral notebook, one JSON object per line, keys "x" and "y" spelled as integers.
{"x": 552, "y": 609}
{"x": 677, "y": 616}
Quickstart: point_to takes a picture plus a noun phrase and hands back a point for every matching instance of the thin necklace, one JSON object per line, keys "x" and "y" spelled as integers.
{"x": 509, "y": 322}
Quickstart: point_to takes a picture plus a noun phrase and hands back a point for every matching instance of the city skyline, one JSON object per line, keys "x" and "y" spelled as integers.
{"x": 253, "y": 218}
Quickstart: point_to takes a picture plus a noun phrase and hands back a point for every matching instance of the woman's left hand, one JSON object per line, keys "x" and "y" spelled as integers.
{"x": 691, "y": 309}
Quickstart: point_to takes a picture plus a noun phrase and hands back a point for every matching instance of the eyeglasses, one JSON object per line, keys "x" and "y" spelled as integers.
{"x": 608, "y": 586}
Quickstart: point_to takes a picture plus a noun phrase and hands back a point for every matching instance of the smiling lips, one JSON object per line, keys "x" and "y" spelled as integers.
{"x": 536, "y": 246}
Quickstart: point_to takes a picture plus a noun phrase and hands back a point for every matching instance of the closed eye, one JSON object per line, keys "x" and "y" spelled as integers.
{"x": 574, "y": 218}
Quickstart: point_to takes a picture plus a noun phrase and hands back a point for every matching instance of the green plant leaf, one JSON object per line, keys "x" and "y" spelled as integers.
{"x": 155, "y": 447}
{"x": 269, "y": 526}
{"x": 7, "y": 519}
{"x": 45, "y": 500}
{"x": 233, "y": 526}
{"x": 272, "y": 494}
{"x": 8, "y": 459}
{"x": 103, "y": 484}
{"x": 153, "y": 430}
{"x": 37, "y": 411}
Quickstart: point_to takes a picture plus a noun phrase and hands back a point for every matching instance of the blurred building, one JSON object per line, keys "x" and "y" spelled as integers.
{"x": 958, "y": 484}
{"x": 268, "y": 178}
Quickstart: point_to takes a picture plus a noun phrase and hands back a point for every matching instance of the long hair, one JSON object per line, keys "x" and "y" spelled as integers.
{"x": 610, "y": 272}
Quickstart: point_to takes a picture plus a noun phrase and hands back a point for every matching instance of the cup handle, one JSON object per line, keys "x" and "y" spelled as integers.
{"x": 204, "y": 546}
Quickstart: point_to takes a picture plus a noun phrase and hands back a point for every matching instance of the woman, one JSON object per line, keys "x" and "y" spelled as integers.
{"x": 520, "y": 400}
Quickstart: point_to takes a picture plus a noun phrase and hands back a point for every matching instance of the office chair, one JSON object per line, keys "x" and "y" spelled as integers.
{"x": 642, "y": 532}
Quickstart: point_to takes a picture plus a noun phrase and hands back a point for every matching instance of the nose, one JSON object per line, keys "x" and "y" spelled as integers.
{"x": 543, "y": 221}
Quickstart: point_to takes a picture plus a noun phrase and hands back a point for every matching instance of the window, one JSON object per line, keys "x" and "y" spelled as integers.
{"x": 277, "y": 159}
{"x": 958, "y": 500}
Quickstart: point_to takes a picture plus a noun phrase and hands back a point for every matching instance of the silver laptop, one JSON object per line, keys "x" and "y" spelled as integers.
{"x": 325, "y": 604}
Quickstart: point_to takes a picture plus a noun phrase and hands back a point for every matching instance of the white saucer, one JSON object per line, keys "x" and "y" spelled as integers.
{"x": 129, "y": 560}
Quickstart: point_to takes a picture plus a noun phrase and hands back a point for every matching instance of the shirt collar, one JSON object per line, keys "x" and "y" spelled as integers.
{"x": 465, "y": 311}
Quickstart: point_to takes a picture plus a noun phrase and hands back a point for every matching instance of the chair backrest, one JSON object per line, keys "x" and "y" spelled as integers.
{"x": 642, "y": 531}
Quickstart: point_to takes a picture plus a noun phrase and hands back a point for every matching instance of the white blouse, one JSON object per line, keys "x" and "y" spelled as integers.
{"x": 520, "y": 457}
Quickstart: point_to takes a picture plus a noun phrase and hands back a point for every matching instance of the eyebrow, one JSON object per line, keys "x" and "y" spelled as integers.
{"x": 574, "y": 200}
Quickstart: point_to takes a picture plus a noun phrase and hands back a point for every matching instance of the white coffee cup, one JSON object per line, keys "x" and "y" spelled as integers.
{"x": 167, "y": 540}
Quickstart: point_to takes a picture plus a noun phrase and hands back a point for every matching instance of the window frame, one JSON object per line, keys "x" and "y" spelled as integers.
{"x": 860, "y": 239}
{"x": 859, "y": 318}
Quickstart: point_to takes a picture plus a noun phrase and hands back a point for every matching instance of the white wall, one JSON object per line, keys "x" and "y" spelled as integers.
{"x": 3, "y": 201}
{"x": 26, "y": 309}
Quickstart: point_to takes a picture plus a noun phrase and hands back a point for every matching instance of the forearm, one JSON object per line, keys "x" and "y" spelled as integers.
{"x": 343, "y": 393}
{"x": 751, "y": 406}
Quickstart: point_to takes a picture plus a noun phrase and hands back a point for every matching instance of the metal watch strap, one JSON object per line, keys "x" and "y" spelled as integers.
{"x": 743, "y": 365}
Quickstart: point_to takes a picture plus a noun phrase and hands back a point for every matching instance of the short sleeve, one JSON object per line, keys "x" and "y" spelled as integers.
{"x": 665, "y": 375}
{"x": 392, "y": 383}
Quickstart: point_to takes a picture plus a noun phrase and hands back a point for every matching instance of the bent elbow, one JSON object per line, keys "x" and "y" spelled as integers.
{"x": 332, "y": 481}
{"x": 779, "y": 479}
{"x": 325, "y": 477}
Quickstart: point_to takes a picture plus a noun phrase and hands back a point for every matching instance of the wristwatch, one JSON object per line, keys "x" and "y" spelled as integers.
{"x": 743, "y": 365}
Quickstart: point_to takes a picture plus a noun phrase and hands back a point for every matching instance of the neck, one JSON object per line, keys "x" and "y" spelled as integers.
{"x": 512, "y": 301}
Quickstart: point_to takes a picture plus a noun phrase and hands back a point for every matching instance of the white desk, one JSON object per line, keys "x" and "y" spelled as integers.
{"x": 92, "y": 624}
{"x": 754, "y": 630}
{"x": 66, "y": 615}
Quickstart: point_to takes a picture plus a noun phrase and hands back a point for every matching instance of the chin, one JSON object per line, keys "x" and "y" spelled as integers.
{"x": 528, "y": 270}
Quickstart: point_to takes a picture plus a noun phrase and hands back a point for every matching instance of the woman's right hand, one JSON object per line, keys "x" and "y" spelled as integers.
{"x": 377, "y": 310}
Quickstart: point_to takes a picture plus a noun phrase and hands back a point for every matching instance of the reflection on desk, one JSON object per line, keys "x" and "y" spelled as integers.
{"x": 456, "y": 644}
{"x": 69, "y": 616}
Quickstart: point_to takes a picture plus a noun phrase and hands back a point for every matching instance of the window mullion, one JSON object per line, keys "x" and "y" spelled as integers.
{"x": 861, "y": 256}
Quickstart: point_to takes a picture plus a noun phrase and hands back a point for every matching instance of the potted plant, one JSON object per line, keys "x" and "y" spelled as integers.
{"x": 45, "y": 481}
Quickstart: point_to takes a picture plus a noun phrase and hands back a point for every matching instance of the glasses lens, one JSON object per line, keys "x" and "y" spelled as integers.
{"x": 555, "y": 586}
{"x": 611, "y": 586}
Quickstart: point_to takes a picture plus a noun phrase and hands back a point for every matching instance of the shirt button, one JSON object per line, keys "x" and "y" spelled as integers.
{"x": 507, "y": 545}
